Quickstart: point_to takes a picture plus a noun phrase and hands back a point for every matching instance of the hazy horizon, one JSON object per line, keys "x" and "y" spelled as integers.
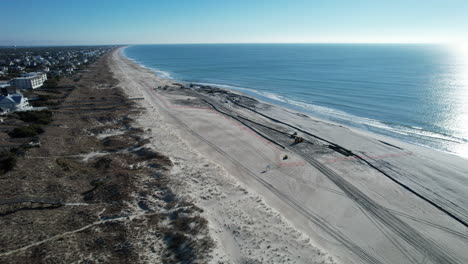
{"x": 234, "y": 43}
{"x": 122, "y": 22}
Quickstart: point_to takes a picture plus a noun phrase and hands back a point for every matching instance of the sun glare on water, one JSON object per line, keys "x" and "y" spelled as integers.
{"x": 459, "y": 84}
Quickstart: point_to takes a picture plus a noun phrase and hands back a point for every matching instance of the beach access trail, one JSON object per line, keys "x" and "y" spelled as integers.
{"x": 340, "y": 196}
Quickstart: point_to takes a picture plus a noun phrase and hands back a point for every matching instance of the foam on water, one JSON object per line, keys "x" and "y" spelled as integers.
{"x": 340, "y": 116}
{"x": 160, "y": 73}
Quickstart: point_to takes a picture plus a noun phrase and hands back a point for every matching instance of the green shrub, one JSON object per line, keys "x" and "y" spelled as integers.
{"x": 44, "y": 103}
{"x": 45, "y": 97}
{"x": 50, "y": 83}
{"x": 26, "y": 131}
{"x": 43, "y": 117}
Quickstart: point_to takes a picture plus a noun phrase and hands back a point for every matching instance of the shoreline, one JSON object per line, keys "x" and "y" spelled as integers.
{"x": 227, "y": 203}
{"x": 359, "y": 127}
{"x": 366, "y": 205}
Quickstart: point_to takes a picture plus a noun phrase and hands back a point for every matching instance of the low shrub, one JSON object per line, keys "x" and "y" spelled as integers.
{"x": 49, "y": 103}
{"x": 43, "y": 117}
{"x": 26, "y": 131}
{"x": 103, "y": 163}
{"x": 50, "y": 83}
{"x": 7, "y": 161}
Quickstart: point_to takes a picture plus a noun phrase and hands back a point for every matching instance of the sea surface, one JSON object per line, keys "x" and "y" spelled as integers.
{"x": 415, "y": 93}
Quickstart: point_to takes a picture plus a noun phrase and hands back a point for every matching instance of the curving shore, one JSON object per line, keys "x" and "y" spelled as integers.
{"x": 340, "y": 195}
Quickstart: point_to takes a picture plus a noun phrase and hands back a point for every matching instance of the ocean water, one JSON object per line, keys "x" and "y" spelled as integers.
{"x": 415, "y": 93}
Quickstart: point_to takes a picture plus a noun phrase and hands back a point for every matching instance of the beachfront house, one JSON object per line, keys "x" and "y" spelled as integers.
{"x": 12, "y": 102}
{"x": 31, "y": 80}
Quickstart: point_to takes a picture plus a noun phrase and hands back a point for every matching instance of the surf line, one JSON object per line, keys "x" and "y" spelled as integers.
{"x": 241, "y": 126}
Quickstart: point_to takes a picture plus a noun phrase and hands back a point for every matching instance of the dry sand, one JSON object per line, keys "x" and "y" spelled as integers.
{"x": 372, "y": 200}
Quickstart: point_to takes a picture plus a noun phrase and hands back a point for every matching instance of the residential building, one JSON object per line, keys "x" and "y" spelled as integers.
{"x": 12, "y": 102}
{"x": 56, "y": 73}
{"x": 31, "y": 80}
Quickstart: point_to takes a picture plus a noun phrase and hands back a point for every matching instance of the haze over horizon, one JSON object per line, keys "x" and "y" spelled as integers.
{"x": 87, "y": 22}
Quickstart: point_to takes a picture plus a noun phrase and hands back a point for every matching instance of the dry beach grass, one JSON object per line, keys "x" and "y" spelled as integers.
{"x": 93, "y": 192}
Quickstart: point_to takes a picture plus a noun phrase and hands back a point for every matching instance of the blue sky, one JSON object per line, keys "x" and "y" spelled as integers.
{"x": 62, "y": 22}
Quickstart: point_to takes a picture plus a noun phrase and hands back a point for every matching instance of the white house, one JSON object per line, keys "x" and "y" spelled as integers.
{"x": 12, "y": 102}
{"x": 30, "y": 80}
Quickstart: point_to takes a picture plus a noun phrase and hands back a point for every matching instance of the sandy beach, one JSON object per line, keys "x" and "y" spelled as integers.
{"x": 338, "y": 196}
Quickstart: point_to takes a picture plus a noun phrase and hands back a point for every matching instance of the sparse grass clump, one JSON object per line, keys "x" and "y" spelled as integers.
{"x": 103, "y": 163}
{"x": 26, "y": 131}
{"x": 183, "y": 248}
{"x": 186, "y": 235}
{"x": 192, "y": 225}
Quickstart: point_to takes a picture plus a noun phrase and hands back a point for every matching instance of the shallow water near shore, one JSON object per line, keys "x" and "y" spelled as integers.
{"x": 415, "y": 93}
